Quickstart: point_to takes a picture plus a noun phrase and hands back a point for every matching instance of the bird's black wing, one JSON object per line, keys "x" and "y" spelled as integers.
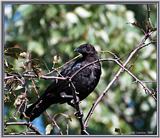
{"x": 84, "y": 81}
{"x": 51, "y": 95}
{"x": 71, "y": 67}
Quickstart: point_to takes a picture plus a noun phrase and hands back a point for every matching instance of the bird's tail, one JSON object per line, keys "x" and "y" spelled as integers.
{"x": 37, "y": 108}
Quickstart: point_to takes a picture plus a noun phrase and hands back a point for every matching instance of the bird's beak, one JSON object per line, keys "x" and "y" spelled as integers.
{"x": 76, "y": 50}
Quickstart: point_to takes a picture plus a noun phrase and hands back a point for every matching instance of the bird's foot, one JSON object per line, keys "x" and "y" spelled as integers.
{"x": 74, "y": 102}
{"x": 78, "y": 114}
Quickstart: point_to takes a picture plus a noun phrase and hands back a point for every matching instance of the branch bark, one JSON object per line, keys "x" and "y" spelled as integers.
{"x": 24, "y": 124}
{"x": 140, "y": 46}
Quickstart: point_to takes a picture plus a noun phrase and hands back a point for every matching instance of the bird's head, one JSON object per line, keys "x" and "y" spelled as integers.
{"x": 86, "y": 49}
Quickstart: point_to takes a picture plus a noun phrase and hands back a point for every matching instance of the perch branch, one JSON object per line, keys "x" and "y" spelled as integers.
{"x": 24, "y": 124}
{"x": 140, "y": 46}
{"x": 137, "y": 80}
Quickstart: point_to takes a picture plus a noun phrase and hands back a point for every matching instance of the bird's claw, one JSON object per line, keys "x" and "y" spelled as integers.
{"x": 73, "y": 102}
{"x": 78, "y": 114}
{"x": 77, "y": 99}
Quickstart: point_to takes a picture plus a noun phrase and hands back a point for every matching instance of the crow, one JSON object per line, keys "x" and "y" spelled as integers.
{"x": 59, "y": 91}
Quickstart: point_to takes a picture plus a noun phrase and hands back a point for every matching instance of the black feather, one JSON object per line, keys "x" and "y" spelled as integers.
{"x": 85, "y": 82}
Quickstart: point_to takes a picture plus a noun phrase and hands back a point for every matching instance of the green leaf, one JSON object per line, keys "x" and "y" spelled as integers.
{"x": 25, "y": 10}
{"x": 36, "y": 47}
{"x": 51, "y": 12}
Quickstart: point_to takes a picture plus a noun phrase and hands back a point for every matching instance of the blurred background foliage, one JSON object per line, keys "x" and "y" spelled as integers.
{"x": 49, "y": 31}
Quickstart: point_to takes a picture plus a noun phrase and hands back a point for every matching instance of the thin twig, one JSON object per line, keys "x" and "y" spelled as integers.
{"x": 137, "y": 80}
{"x": 24, "y": 124}
{"x": 67, "y": 118}
{"x": 69, "y": 61}
{"x": 140, "y": 46}
{"x": 9, "y": 77}
{"x": 146, "y": 81}
{"x": 109, "y": 59}
{"x": 35, "y": 76}
{"x": 54, "y": 123}
{"x": 148, "y": 11}
{"x": 148, "y": 15}
{"x": 56, "y": 69}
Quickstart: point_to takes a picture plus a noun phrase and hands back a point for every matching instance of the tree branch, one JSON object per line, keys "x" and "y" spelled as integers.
{"x": 137, "y": 80}
{"x": 140, "y": 46}
{"x": 24, "y": 124}
{"x": 34, "y": 76}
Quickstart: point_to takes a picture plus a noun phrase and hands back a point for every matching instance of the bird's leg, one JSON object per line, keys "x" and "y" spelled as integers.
{"x": 75, "y": 103}
{"x": 79, "y": 113}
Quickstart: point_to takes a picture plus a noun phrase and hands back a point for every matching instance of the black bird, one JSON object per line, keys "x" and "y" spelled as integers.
{"x": 59, "y": 91}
